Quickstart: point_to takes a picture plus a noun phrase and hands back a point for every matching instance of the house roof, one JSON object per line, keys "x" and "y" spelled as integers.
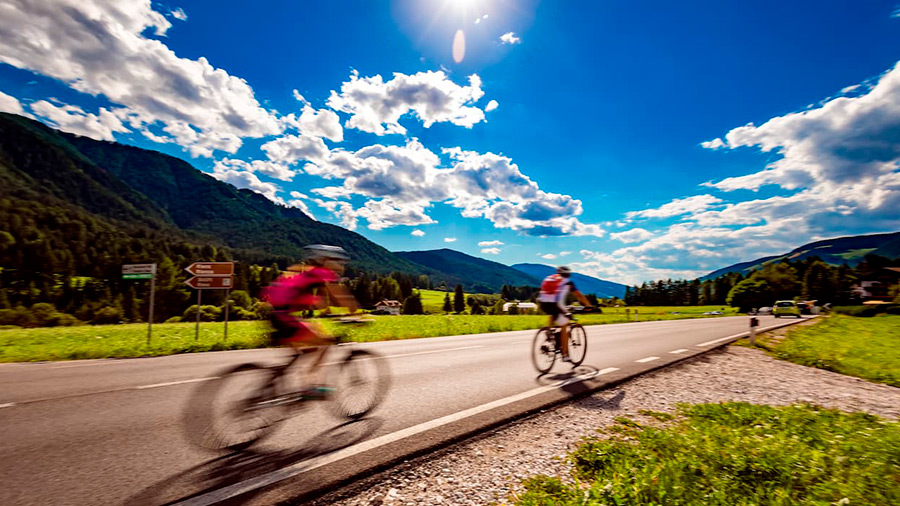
{"x": 389, "y": 303}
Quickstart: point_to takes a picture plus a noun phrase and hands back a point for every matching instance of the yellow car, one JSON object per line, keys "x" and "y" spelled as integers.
{"x": 786, "y": 308}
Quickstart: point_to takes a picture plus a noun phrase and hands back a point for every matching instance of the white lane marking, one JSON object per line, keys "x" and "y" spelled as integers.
{"x": 170, "y": 383}
{"x": 607, "y": 370}
{"x": 273, "y": 477}
{"x": 7, "y": 405}
{"x": 433, "y": 351}
{"x": 742, "y": 334}
{"x": 719, "y": 340}
{"x": 385, "y": 357}
{"x": 647, "y": 359}
{"x": 680, "y": 350}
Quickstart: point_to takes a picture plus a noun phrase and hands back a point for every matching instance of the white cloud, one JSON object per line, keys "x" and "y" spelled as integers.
{"x": 11, "y": 104}
{"x": 99, "y": 47}
{"x": 490, "y": 243}
{"x": 417, "y": 233}
{"x": 713, "y": 144}
{"x": 299, "y": 201}
{"x": 323, "y": 123}
{"x": 547, "y": 256}
{"x": 244, "y": 179}
{"x": 449, "y": 239}
{"x": 491, "y": 251}
{"x": 678, "y": 207}
{"x": 510, "y": 38}
{"x": 271, "y": 169}
{"x": 376, "y": 106}
{"x": 291, "y": 149}
{"x": 491, "y": 106}
{"x": 74, "y": 119}
{"x": 482, "y": 18}
{"x": 179, "y": 14}
{"x": 633, "y": 235}
{"x": 564, "y": 253}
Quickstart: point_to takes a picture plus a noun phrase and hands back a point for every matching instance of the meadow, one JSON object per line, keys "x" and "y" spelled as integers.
{"x": 732, "y": 454}
{"x": 867, "y": 348}
{"x": 130, "y": 340}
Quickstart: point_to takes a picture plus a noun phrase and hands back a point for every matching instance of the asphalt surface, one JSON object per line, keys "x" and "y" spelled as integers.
{"x": 111, "y": 431}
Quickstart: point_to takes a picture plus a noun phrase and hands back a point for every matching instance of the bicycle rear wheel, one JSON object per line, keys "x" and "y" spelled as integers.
{"x": 543, "y": 350}
{"x": 577, "y": 344}
{"x": 361, "y": 382}
{"x": 236, "y": 410}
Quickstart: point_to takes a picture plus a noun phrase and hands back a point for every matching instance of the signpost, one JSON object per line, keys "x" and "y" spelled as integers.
{"x": 143, "y": 271}
{"x": 210, "y": 276}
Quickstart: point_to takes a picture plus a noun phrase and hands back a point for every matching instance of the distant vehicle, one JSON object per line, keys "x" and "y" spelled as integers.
{"x": 764, "y": 310}
{"x": 786, "y": 308}
{"x": 714, "y": 312}
{"x": 804, "y": 308}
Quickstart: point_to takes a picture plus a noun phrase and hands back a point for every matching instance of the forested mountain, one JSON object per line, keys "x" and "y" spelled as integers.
{"x": 586, "y": 284}
{"x": 475, "y": 274}
{"x": 124, "y": 185}
{"x": 843, "y": 250}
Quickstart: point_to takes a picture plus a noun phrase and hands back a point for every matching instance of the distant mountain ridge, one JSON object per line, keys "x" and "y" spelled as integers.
{"x": 585, "y": 284}
{"x": 850, "y": 250}
{"x": 475, "y": 274}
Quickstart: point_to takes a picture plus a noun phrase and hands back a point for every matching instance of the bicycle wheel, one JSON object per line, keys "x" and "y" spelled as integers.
{"x": 577, "y": 344}
{"x": 361, "y": 381}
{"x": 235, "y": 410}
{"x": 543, "y": 350}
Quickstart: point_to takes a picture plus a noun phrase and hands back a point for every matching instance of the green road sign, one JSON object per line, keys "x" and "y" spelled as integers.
{"x": 138, "y": 276}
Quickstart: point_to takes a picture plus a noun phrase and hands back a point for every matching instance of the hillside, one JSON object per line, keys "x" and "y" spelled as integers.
{"x": 842, "y": 250}
{"x": 123, "y": 187}
{"x": 475, "y": 274}
{"x": 586, "y": 284}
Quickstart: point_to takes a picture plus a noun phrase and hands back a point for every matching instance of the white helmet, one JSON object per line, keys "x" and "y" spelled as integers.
{"x": 319, "y": 253}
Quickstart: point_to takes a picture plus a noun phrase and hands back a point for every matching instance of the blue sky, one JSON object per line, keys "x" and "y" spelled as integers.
{"x": 632, "y": 140}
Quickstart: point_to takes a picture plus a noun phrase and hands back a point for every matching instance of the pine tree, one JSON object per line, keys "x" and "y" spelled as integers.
{"x": 447, "y": 305}
{"x": 459, "y": 300}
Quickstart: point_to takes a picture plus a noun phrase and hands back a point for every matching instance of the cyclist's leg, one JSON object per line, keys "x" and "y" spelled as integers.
{"x": 563, "y": 323}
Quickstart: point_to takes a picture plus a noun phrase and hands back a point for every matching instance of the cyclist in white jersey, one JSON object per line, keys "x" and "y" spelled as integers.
{"x": 554, "y": 291}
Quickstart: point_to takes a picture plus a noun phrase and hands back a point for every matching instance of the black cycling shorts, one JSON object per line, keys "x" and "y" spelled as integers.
{"x": 551, "y": 308}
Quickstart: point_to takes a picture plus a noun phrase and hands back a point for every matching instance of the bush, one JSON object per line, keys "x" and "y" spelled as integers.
{"x": 106, "y": 316}
{"x": 58, "y": 319}
{"x": 174, "y": 319}
{"x": 207, "y": 314}
{"x": 866, "y": 311}
{"x": 413, "y": 305}
{"x": 263, "y": 310}
{"x": 19, "y": 317}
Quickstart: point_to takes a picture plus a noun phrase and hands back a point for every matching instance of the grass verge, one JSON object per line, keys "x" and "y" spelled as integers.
{"x": 867, "y": 348}
{"x": 734, "y": 454}
{"x": 130, "y": 340}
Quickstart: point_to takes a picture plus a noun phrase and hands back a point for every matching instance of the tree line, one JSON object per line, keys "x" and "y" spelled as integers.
{"x": 806, "y": 279}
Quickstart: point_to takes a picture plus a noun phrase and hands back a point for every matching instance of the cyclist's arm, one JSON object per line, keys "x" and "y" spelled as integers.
{"x": 581, "y": 298}
{"x": 341, "y": 297}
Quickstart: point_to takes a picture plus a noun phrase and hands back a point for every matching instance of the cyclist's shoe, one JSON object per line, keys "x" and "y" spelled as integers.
{"x": 316, "y": 392}
{"x": 566, "y": 358}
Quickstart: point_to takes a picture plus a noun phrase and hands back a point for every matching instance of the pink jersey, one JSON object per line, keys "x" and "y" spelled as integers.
{"x": 297, "y": 290}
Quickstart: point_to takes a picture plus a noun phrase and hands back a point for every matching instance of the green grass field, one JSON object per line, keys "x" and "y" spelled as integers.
{"x": 129, "y": 340}
{"x": 733, "y": 454}
{"x": 863, "y": 347}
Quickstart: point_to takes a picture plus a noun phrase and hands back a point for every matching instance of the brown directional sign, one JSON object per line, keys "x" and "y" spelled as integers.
{"x": 210, "y": 282}
{"x": 211, "y": 268}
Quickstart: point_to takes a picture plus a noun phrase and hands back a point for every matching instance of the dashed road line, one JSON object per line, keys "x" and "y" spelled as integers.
{"x": 607, "y": 370}
{"x": 170, "y": 383}
{"x": 646, "y": 359}
{"x": 679, "y": 350}
{"x": 7, "y": 405}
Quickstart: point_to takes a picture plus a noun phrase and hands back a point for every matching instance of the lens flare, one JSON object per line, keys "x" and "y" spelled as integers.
{"x": 459, "y": 46}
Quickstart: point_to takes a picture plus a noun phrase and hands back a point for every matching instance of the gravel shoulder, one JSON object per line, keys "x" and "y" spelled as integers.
{"x": 488, "y": 469}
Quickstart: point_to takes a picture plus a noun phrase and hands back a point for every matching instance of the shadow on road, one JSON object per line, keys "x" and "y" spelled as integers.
{"x": 240, "y": 466}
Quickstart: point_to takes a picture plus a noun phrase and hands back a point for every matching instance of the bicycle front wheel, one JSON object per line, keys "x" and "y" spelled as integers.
{"x": 361, "y": 382}
{"x": 543, "y": 350}
{"x": 577, "y": 344}
{"x": 235, "y": 410}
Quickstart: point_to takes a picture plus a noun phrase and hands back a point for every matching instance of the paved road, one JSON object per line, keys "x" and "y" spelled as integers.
{"x": 110, "y": 432}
